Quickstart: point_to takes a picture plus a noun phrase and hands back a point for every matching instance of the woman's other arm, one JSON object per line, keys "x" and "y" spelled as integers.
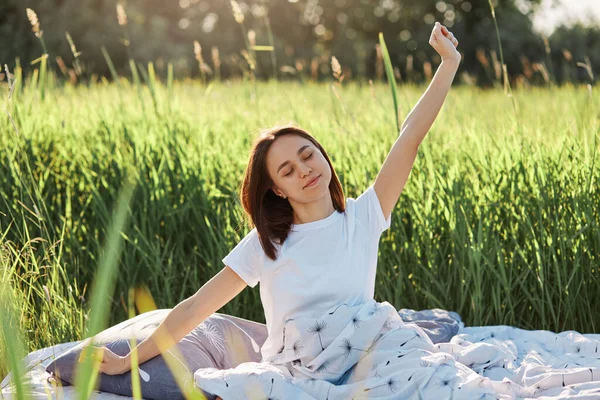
{"x": 183, "y": 318}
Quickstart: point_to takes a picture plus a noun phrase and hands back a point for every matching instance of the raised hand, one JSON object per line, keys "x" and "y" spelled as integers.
{"x": 444, "y": 42}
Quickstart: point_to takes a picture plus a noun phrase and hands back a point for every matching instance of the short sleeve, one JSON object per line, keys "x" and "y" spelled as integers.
{"x": 369, "y": 211}
{"x": 246, "y": 258}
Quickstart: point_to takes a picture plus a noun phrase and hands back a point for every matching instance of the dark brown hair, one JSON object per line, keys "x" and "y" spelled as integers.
{"x": 270, "y": 214}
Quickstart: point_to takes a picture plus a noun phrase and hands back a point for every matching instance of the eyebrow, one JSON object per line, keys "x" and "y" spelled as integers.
{"x": 300, "y": 150}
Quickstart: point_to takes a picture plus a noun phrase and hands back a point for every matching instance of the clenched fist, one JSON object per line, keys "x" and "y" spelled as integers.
{"x": 444, "y": 42}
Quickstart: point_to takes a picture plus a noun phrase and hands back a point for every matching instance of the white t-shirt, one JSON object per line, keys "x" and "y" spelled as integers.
{"x": 321, "y": 264}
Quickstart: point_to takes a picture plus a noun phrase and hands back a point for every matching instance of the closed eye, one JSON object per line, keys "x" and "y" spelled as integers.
{"x": 292, "y": 170}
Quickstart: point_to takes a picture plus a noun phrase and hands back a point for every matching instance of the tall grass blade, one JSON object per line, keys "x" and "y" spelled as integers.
{"x": 10, "y": 332}
{"x": 389, "y": 70}
{"x": 111, "y": 66}
{"x": 103, "y": 287}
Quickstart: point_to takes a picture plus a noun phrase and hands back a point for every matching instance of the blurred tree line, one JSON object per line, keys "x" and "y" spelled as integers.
{"x": 219, "y": 38}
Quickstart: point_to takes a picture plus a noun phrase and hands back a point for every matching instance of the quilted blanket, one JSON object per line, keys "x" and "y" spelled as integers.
{"x": 368, "y": 352}
{"x": 483, "y": 361}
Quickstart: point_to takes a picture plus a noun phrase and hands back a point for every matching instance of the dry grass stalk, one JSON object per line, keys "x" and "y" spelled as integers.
{"x": 252, "y": 37}
{"x": 34, "y": 21}
{"x": 198, "y": 51}
{"x": 409, "y": 64}
{"x": 372, "y": 88}
{"x": 588, "y": 67}
{"x": 314, "y": 68}
{"x": 249, "y": 59}
{"x": 546, "y": 44}
{"x": 238, "y": 14}
{"x": 337, "y": 69}
{"x": 541, "y": 68}
{"x": 481, "y": 57}
{"x": 468, "y": 78}
{"x": 61, "y": 65}
{"x": 527, "y": 70}
{"x": 288, "y": 69}
{"x": 427, "y": 70}
{"x": 216, "y": 59}
{"x": 379, "y": 62}
{"x": 496, "y": 64}
{"x": 47, "y": 294}
{"x": 121, "y": 15}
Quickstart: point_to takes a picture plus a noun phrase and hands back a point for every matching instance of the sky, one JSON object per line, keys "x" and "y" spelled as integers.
{"x": 548, "y": 17}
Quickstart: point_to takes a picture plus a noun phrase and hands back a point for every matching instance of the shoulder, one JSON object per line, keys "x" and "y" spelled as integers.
{"x": 250, "y": 241}
{"x": 367, "y": 209}
{"x": 251, "y": 236}
{"x": 248, "y": 248}
{"x": 253, "y": 239}
{"x": 362, "y": 198}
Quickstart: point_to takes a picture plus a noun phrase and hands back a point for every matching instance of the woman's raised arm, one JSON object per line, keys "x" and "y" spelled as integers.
{"x": 397, "y": 166}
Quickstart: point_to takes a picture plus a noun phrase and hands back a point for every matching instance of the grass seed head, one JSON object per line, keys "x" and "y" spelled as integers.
{"x": 34, "y": 21}
{"x": 238, "y": 14}
{"x": 252, "y": 37}
{"x": 121, "y": 15}
{"x": 214, "y": 51}
{"x": 198, "y": 51}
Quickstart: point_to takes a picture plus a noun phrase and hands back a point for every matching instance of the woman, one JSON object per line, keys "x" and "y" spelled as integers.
{"x": 315, "y": 254}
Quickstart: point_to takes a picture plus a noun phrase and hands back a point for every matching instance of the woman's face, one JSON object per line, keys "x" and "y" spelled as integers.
{"x": 292, "y": 162}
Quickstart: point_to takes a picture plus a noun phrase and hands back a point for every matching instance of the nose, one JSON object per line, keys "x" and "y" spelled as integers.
{"x": 304, "y": 169}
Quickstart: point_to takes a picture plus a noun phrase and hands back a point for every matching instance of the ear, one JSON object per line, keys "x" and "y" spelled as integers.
{"x": 278, "y": 192}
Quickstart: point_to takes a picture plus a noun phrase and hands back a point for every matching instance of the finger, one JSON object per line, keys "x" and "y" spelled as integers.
{"x": 433, "y": 36}
{"x": 433, "y": 39}
{"x": 445, "y": 30}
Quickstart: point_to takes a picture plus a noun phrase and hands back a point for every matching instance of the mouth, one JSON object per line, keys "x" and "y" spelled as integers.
{"x": 313, "y": 182}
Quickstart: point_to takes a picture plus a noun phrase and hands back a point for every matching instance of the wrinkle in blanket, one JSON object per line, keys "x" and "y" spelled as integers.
{"x": 364, "y": 351}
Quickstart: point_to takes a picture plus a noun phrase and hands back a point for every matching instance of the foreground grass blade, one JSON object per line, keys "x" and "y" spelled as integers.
{"x": 389, "y": 71}
{"x": 10, "y": 332}
{"x": 86, "y": 374}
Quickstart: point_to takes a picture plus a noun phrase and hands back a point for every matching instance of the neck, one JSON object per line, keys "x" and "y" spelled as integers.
{"x": 313, "y": 211}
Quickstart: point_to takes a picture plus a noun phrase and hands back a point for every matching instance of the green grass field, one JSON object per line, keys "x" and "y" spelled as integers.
{"x": 499, "y": 220}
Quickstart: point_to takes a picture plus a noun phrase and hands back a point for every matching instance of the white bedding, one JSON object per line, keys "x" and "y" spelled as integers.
{"x": 42, "y": 384}
{"x": 367, "y": 351}
{"x": 527, "y": 358}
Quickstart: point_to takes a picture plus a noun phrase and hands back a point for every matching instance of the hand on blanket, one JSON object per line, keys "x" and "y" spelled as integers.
{"x": 112, "y": 364}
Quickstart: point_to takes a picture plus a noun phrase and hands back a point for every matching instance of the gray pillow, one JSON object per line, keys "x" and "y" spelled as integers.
{"x": 440, "y": 325}
{"x": 221, "y": 341}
